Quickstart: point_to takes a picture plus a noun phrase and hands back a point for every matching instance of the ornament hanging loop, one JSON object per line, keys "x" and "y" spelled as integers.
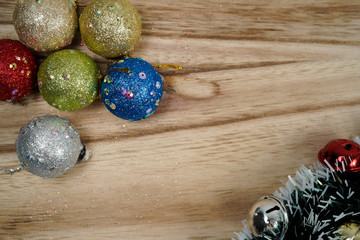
{"x": 11, "y": 171}
{"x": 168, "y": 89}
{"x": 124, "y": 70}
{"x": 168, "y": 66}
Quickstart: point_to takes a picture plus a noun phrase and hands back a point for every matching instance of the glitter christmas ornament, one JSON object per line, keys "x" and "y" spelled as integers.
{"x": 17, "y": 70}
{"x": 268, "y": 218}
{"x": 132, "y": 89}
{"x": 45, "y": 25}
{"x": 110, "y": 28}
{"x": 68, "y": 80}
{"x": 349, "y": 231}
{"x": 49, "y": 146}
{"x": 341, "y": 154}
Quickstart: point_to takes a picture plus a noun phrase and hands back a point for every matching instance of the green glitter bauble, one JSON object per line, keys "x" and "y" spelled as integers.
{"x": 46, "y": 25}
{"x": 110, "y": 28}
{"x": 68, "y": 80}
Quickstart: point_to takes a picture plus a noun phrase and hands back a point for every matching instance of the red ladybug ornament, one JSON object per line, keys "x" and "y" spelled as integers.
{"x": 17, "y": 70}
{"x": 341, "y": 154}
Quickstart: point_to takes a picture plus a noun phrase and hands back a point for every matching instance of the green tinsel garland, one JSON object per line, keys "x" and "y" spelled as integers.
{"x": 318, "y": 201}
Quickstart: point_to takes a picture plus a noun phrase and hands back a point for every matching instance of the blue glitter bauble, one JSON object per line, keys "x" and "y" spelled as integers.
{"x": 132, "y": 89}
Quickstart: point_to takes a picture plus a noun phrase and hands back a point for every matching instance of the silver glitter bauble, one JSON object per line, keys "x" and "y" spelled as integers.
{"x": 268, "y": 218}
{"x": 49, "y": 146}
{"x": 46, "y": 25}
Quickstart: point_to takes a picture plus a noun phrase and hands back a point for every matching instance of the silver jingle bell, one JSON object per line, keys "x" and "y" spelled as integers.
{"x": 268, "y": 218}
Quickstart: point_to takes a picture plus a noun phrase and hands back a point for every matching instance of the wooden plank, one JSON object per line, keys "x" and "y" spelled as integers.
{"x": 264, "y": 86}
{"x": 296, "y": 21}
{"x": 194, "y": 176}
{"x": 238, "y": 95}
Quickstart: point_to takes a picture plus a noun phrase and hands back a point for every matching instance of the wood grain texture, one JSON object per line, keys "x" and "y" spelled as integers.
{"x": 264, "y": 86}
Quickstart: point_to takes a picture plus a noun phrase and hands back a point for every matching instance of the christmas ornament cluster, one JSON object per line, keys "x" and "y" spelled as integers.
{"x": 321, "y": 202}
{"x": 69, "y": 79}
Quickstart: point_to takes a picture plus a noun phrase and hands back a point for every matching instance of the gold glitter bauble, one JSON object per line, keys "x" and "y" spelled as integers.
{"x": 110, "y": 28}
{"x": 349, "y": 231}
{"x": 46, "y": 25}
{"x": 69, "y": 80}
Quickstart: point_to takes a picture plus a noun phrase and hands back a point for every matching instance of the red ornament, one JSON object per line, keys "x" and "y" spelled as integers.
{"x": 17, "y": 70}
{"x": 342, "y": 155}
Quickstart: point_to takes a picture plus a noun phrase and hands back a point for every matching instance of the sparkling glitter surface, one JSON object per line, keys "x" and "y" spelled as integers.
{"x": 48, "y": 146}
{"x": 17, "y": 70}
{"x": 68, "y": 80}
{"x": 46, "y": 25}
{"x": 131, "y": 89}
{"x": 349, "y": 231}
{"x": 110, "y": 28}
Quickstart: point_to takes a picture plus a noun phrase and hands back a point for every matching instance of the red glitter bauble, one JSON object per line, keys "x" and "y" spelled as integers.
{"x": 341, "y": 155}
{"x": 17, "y": 70}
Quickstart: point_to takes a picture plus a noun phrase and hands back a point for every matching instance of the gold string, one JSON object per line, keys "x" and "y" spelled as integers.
{"x": 168, "y": 66}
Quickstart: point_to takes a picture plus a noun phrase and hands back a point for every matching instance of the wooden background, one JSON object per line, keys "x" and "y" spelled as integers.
{"x": 264, "y": 86}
